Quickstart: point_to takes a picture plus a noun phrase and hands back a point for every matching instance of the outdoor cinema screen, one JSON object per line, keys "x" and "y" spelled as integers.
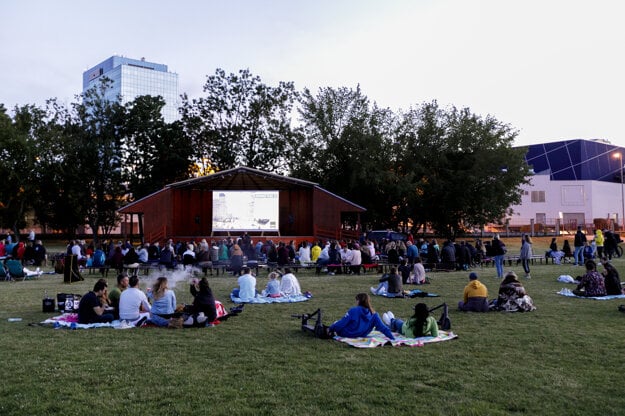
{"x": 245, "y": 211}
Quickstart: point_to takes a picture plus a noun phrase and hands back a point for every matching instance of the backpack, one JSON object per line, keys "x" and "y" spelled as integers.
{"x": 59, "y": 265}
{"x": 98, "y": 258}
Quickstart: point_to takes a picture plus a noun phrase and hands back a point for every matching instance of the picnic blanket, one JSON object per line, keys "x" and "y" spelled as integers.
{"x": 568, "y": 293}
{"x": 70, "y": 320}
{"x": 265, "y": 299}
{"x": 415, "y": 293}
{"x": 376, "y": 339}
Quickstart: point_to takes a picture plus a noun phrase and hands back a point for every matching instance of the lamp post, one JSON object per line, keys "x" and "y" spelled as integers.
{"x": 619, "y": 156}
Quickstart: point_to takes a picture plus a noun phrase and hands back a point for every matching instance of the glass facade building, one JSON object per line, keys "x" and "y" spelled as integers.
{"x": 576, "y": 160}
{"x": 135, "y": 77}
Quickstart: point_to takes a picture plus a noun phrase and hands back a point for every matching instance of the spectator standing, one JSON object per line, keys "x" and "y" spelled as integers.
{"x": 526, "y": 255}
{"x": 578, "y": 243}
{"x": 498, "y": 249}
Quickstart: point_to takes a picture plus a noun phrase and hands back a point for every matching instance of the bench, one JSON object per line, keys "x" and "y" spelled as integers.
{"x": 332, "y": 268}
{"x": 517, "y": 258}
{"x": 567, "y": 258}
{"x": 368, "y": 266}
{"x": 439, "y": 267}
{"x": 485, "y": 261}
{"x": 104, "y": 270}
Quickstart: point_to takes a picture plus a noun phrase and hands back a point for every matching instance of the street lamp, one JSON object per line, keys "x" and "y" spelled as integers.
{"x": 619, "y": 156}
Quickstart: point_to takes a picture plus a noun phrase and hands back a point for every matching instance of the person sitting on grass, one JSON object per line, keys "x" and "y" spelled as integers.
{"x": 163, "y": 303}
{"x": 404, "y": 269}
{"x": 203, "y": 310}
{"x": 273, "y": 286}
{"x": 133, "y": 303}
{"x": 421, "y": 324}
{"x": 512, "y": 296}
{"x": 289, "y": 286}
{"x": 90, "y": 309}
{"x": 475, "y": 297}
{"x": 360, "y": 320}
{"x": 592, "y": 283}
{"x": 116, "y": 292}
{"x": 390, "y": 285}
{"x": 247, "y": 284}
{"x": 418, "y": 272}
{"x": 611, "y": 278}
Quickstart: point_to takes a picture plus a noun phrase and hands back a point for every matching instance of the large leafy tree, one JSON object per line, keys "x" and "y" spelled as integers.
{"x": 61, "y": 201}
{"x": 19, "y": 158}
{"x": 155, "y": 153}
{"x": 240, "y": 121}
{"x": 96, "y": 153}
{"x": 462, "y": 168}
{"x": 345, "y": 147}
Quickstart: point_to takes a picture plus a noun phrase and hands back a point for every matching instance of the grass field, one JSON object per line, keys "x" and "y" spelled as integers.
{"x": 566, "y": 358}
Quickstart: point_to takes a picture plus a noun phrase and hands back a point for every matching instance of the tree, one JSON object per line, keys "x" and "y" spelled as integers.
{"x": 60, "y": 201}
{"x": 240, "y": 121}
{"x": 345, "y": 147}
{"x": 95, "y": 141}
{"x": 462, "y": 168}
{"x": 155, "y": 153}
{"x": 18, "y": 164}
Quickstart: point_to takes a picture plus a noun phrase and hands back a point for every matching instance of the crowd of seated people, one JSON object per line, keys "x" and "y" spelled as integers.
{"x": 29, "y": 253}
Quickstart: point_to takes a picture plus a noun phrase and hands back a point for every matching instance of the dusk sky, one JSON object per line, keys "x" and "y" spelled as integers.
{"x": 554, "y": 70}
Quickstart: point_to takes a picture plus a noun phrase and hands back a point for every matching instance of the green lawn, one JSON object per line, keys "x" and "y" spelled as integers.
{"x": 565, "y": 358}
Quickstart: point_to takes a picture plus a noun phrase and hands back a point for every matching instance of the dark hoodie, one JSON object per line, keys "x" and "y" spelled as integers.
{"x": 359, "y": 322}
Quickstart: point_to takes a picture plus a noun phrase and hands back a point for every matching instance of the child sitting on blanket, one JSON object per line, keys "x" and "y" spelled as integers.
{"x": 360, "y": 320}
{"x": 421, "y": 324}
{"x": 273, "y": 286}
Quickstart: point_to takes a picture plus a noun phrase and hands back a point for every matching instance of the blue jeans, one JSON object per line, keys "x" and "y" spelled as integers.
{"x": 499, "y": 264}
{"x": 396, "y": 325}
{"x": 382, "y": 288}
{"x": 578, "y": 255}
{"x": 158, "y": 320}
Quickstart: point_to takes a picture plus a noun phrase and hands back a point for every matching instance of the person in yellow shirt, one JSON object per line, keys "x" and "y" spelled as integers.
{"x": 315, "y": 251}
{"x": 599, "y": 240}
{"x": 475, "y": 296}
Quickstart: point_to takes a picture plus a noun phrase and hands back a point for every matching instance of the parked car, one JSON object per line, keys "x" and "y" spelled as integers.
{"x": 379, "y": 235}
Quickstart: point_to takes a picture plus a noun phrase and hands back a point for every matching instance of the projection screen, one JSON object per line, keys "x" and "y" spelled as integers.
{"x": 245, "y": 211}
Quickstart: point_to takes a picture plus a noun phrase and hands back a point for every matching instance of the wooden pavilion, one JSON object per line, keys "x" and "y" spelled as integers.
{"x": 184, "y": 210}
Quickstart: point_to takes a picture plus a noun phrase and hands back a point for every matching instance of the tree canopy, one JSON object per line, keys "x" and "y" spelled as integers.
{"x": 240, "y": 122}
{"x": 446, "y": 169}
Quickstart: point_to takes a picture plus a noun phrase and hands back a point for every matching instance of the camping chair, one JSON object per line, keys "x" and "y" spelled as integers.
{"x": 318, "y": 329}
{"x": 15, "y": 270}
{"x": 444, "y": 323}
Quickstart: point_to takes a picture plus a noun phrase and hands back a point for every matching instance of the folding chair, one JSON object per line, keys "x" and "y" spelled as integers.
{"x": 15, "y": 270}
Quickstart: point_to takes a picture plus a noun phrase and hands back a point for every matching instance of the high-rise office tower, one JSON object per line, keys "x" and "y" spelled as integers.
{"x": 134, "y": 77}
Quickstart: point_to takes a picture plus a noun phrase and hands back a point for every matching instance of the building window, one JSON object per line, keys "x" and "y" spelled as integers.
{"x": 573, "y": 195}
{"x": 538, "y": 196}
